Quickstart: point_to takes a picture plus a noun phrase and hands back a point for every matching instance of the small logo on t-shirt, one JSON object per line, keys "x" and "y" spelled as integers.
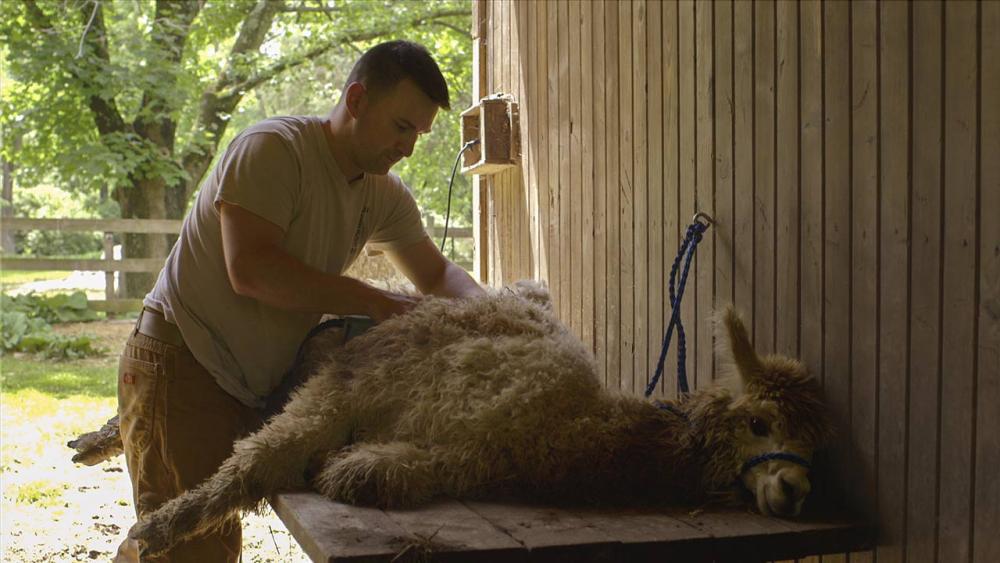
{"x": 359, "y": 233}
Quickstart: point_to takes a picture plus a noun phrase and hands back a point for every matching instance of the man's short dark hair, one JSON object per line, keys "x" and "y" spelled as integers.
{"x": 386, "y": 64}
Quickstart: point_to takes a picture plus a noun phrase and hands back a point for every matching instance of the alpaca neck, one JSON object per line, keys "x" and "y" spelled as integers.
{"x": 680, "y": 453}
{"x": 712, "y": 436}
{"x": 654, "y": 454}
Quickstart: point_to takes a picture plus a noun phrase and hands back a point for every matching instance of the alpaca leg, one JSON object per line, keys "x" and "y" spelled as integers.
{"x": 274, "y": 457}
{"x": 391, "y": 474}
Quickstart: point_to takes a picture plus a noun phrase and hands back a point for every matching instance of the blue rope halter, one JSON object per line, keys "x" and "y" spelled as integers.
{"x": 699, "y": 224}
{"x": 784, "y": 456}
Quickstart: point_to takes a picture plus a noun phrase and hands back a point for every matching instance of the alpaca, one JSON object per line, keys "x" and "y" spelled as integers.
{"x": 494, "y": 394}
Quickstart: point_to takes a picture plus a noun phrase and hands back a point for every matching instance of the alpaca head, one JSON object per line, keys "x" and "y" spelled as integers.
{"x": 776, "y": 408}
{"x": 534, "y": 291}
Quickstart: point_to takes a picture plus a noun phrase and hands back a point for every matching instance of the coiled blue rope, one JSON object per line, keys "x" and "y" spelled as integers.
{"x": 698, "y": 226}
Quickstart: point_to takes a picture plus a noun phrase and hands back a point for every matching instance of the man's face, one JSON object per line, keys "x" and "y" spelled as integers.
{"x": 387, "y": 127}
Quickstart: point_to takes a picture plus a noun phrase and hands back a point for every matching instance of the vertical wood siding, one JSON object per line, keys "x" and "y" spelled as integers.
{"x": 850, "y": 154}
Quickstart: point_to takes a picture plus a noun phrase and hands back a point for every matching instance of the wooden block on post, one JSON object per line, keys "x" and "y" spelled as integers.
{"x": 494, "y": 123}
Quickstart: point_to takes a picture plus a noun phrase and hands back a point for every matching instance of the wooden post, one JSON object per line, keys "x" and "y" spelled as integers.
{"x": 109, "y": 277}
{"x": 480, "y": 218}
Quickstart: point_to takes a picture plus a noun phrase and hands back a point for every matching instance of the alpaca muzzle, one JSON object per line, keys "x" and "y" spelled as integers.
{"x": 782, "y": 492}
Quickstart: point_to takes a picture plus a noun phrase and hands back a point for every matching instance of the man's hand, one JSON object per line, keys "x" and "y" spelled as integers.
{"x": 390, "y": 304}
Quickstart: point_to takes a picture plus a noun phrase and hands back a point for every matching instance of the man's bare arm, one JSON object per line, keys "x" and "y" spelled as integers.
{"x": 260, "y": 268}
{"x": 432, "y": 273}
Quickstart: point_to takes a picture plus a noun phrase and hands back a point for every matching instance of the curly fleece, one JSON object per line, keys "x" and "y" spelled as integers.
{"x": 474, "y": 397}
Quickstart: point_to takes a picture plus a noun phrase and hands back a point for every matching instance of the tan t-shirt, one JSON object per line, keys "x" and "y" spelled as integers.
{"x": 280, "y": 169}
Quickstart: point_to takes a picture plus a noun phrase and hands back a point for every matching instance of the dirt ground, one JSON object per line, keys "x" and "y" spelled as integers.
{"x": 110, "y": 334}
{"x": 54, "y": 510}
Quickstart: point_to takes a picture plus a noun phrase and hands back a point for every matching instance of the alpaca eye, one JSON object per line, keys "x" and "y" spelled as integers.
{"x": 758, "y": 427}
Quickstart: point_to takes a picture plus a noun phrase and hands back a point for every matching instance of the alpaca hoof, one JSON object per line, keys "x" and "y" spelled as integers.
{"x": 357, "y": 491}
{"x": 371, "y": 493}
{"x": 150, "y": 543}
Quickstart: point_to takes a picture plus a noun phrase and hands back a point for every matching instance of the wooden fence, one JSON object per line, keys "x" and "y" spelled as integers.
{"x": 109, "y": 265}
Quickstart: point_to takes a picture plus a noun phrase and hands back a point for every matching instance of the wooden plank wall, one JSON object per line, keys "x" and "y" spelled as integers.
{"x": 850, "y": 153}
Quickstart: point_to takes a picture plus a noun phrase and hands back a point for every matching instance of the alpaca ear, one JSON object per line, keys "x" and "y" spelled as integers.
{"x": 532, "y": 290}
{"x": 735, "y": 346}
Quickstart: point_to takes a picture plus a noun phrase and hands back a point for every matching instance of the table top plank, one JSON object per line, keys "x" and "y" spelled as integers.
{"x": 450, "y": 530}
{"x": 647, "y": 534}
{"x": 466, "y": 530}
{"x": 639, "y": 525}
{"x": 330, "y": 531}
{"x": 729, "y": 523}
{"x": 547, "y": 531}
{"x": 737, "y": 533}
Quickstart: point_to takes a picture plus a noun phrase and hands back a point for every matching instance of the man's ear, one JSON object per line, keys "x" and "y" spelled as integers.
{"x": 356, "y": 98}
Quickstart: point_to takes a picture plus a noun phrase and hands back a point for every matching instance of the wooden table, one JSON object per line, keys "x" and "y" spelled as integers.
{"x": 452, "y": 530}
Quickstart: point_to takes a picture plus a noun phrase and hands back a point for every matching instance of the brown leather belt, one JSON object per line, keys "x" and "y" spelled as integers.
{"x": 152, "y": 323}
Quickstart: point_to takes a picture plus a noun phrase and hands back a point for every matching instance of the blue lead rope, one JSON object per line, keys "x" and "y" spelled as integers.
{"x": 698, "y": 226}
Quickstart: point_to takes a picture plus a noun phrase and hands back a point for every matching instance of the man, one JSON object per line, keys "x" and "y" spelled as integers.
{"x": 260, "y": 258}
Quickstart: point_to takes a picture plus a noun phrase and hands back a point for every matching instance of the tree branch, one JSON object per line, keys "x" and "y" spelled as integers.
{"x": 320, "y": 8}
{"x": 215, "y": 104}
{"x": 168, "y": 38}
{"x": 464, "y": 33}
{"x": 79, "y": 51}
{"x": 311, "y": 54}
{"x": 306, "y": 10}
{"x": 251, "y": 36}
{"x": 106, "y": 115}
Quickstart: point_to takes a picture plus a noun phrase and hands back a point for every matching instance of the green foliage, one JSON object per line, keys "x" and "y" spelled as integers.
{"x": 57, "y": 308}
{"x": 54, "y": 75}
{"x": 15, "y": 325}
{"x": 25, "y": 325}
{"x": 58, "y": 347}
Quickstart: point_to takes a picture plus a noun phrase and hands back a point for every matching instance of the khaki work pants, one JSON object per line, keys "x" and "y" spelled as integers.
{"x": 177, "y": 427}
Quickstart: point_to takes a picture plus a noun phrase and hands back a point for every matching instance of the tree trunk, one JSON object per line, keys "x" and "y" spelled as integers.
{"x": 7, "y": 235}
{"x": 143, "y": 199}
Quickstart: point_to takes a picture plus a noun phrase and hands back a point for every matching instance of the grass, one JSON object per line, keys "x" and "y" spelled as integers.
{"x": 39, "y": 493}
{"x": 11, "y": 278}
{"x": 54, "y": 510}
{"x": 22, "y": 276}
{"x": 59, "y": 380}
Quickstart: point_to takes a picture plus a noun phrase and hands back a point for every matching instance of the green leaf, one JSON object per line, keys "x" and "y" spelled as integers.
{"x": 13, "y": 327}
